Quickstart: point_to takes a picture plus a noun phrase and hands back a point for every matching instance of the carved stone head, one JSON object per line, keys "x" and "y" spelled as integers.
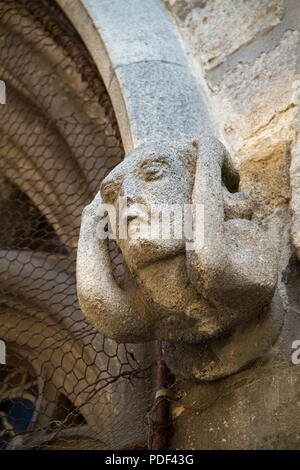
{"x": 210, "y": 297}
{"x": 152, "y": 176}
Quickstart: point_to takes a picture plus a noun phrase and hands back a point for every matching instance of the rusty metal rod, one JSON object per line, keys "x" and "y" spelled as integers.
{"x": 161, "y": 423}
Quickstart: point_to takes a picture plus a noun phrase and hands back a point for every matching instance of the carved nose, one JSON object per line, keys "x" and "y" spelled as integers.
{"x": 128, "y": 191}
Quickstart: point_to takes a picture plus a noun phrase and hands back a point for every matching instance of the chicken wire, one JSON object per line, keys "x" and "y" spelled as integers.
{"x": 64, "y": 385}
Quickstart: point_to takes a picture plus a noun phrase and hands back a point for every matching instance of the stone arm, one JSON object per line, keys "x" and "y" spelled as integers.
{"x": 234, "y": 263}
{"x": 104, "y": 303}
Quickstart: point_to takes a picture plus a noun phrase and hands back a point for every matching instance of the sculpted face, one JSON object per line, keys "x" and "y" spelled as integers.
{"x": 148, "y": 179}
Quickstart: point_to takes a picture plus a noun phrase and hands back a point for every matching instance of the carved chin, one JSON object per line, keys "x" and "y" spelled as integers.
{"x": 141, "y": 252}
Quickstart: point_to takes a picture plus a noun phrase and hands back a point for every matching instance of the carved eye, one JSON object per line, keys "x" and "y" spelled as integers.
{"x": 109, "y": 192}
{"x": 153, "y": 170}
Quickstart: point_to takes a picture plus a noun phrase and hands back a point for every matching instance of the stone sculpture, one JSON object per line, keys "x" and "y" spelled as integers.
{"x": 216, "y": 300}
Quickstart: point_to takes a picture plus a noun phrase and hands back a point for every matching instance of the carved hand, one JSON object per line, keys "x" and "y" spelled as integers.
{"x": 235, "y": 265}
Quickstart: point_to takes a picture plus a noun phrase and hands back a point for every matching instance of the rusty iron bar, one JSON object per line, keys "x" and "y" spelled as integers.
{"x": 138, "y": 445}
{"x": 71, "y": 43}
{"x": 161, "y": 423}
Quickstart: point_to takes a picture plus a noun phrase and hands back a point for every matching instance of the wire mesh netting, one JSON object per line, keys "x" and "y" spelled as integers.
{"x": 64, "y": 385}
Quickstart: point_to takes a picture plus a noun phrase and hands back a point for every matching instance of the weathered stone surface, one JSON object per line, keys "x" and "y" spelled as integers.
{"x": 258, "y": 408}
{"x": 252, "y": 87}
{"x": 254, "y": 96}
{"x": 147, "y": 31}
{"x": 163, "y": 102}
{"x": 215, "y": 29}
{"x": 245, "y": 54}
{"x": 144, "y": 69}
